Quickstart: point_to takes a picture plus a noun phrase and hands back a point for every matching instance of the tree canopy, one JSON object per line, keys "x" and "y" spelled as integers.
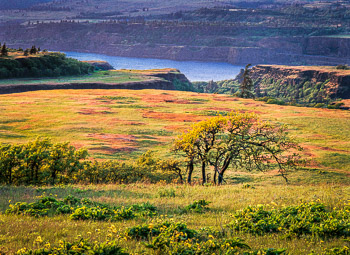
{"x": 239, "y": 140}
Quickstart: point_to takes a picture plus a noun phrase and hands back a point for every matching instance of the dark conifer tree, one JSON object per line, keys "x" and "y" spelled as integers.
{"x": 4, "y": 50}
{"x": 246, "y": 86}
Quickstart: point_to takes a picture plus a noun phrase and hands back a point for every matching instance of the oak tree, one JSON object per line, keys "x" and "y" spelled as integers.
{"x": 239, "y": 140}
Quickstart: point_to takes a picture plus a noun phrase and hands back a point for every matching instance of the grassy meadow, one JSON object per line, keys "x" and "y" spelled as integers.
{"x": 103, "y": 77}
{"x": 123, "y": 124}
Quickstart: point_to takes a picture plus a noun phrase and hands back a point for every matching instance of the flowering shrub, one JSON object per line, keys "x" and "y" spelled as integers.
{"x": 199, "y": 206}
{"x": 81, "y": 209}
{"x": 304, "y": 219}
{"x": 169, "y": 237}
{"x": 80, "y": 246}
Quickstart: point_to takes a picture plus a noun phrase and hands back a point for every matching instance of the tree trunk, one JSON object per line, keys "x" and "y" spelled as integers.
{"x": 215, "y": 172}
{"x": 190, "y": 171}
{"x": 204, "y": 178}
{"x": 220, "y": 178}
{"x": 10, "y": 176}
{"x": 53, "y": 177}
{"x": 36, "y": 175}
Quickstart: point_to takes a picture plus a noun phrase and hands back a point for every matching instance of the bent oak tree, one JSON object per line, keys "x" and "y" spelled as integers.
{"x": 239, "y": 140}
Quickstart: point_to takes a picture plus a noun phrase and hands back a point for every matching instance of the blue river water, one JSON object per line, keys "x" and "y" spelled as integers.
{"x": 194, "y": 70}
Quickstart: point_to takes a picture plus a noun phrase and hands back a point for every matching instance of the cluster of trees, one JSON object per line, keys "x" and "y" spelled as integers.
{"x": 4, "y": 50}
{"x": 41, "y": 162}
{"x": 48, "y": 65}
{"x": 239, "y": 140}
{"x": 32, "y": 51}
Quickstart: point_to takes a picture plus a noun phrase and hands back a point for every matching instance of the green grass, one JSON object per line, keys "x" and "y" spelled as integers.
{"x": 97, "y": 77}
{"x": 20, "y": 231}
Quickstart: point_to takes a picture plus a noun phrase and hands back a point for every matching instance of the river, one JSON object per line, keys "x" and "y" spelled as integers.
{"x": 194, "y": 70}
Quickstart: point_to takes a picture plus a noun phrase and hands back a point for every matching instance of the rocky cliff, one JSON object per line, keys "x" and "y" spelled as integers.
{"x": 308, "y": 84}
{"x": 176, "y": 42}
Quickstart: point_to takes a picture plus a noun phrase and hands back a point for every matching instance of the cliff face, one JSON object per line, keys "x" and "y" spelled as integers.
{"x": 179, "y": 43}
{"x": 301, "y": 83}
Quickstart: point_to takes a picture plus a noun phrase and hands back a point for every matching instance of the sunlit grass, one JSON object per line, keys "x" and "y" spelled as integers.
{"x": 122, "y": 124}
{"x": 20, "y": 231}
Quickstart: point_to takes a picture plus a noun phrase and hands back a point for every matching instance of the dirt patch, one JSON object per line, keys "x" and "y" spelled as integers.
{"x": 172, "y": 116}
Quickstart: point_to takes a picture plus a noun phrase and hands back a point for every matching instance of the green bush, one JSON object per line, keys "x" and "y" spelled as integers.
{"x": 304, "y": 219}
{"x": 81, "y": 209}
{"x": 199, "y": 206}
{"x": 78, "y": 247}
{"x": 275, "y": 101}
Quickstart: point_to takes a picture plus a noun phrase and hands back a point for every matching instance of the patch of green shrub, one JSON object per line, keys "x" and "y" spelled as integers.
{"x": 81, "y": 209}
{"x": 78, "y": 247}
{"x": 199, "y": 206}
{"x": 304, "y": 219}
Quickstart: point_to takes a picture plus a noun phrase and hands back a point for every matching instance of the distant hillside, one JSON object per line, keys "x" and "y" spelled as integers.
{"x": 20, "y": 4}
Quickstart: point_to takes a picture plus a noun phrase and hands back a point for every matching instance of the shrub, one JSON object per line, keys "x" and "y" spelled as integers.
{"x": 199, "y": 206}
{"x": 83, "y": 209}
{"x": 304, "y": 219}
{"x": 78, "y": 247}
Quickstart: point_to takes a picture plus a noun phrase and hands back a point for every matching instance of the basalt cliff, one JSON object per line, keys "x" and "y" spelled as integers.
{"x": 309, "y": 84}
{"x": 198, "y": 42}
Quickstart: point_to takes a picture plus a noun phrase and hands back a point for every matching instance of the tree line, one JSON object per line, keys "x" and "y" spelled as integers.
{"x": 48, "y": 65}
{"x": 41, "y": 162}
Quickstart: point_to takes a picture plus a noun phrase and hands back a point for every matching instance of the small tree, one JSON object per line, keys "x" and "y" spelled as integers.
{"x": 26, "y": 52}
{"x": 246, "y": 87}
{"x": 4, "y": 50}
{"x": 197, "y": 143}
{"x": 33, "y": 50}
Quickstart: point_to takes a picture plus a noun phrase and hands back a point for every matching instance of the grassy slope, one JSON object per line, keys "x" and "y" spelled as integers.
{"x": 119, "y": 124}
{"x": 113, "y": 76}
{"x": 123, "y": 123}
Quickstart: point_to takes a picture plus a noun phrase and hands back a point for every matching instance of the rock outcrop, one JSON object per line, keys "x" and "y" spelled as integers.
{"x": 334, "y": 82}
